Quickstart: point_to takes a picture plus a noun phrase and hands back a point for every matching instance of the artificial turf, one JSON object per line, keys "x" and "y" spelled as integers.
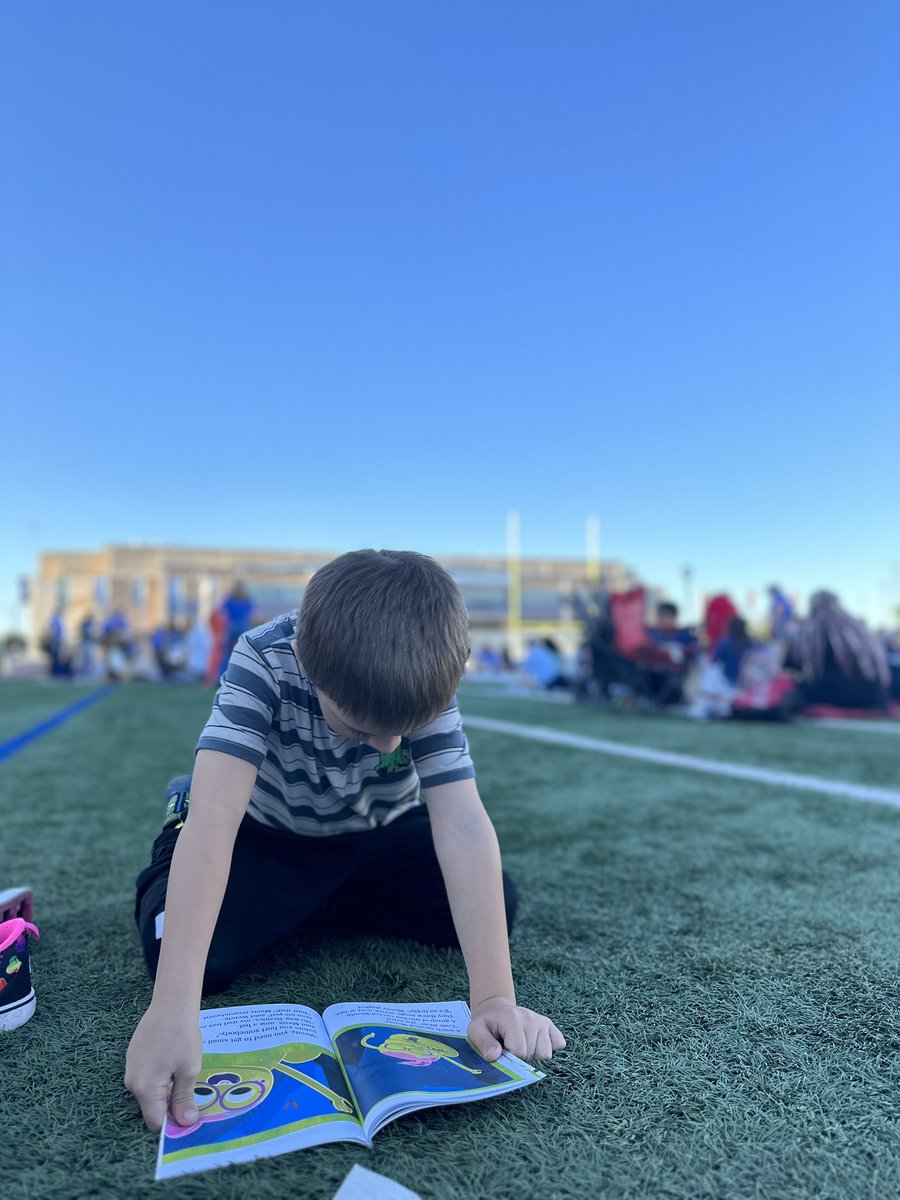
{"x": 722, "y": 957}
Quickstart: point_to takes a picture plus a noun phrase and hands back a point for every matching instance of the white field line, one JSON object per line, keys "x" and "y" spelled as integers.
{"x": 855, "y": 726}
{"x": 688, "y": 762}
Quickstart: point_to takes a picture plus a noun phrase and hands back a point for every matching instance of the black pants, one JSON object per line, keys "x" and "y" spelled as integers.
{"x": 385, "y": 881}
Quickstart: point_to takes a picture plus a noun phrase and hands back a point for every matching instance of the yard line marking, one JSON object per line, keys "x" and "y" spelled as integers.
{"x": 855, "y": 726}
{"x": 688, "y": 762}
{"x": 7, "y": 749}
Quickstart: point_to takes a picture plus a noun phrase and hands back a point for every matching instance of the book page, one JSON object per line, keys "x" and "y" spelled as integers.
{"x": 270, "y": 1083}
{"x": 400, "y": 1057}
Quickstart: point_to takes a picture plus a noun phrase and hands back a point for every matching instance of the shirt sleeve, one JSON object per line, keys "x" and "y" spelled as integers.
{"x": 244, "y": 708}
{"x": 440, "y": 751}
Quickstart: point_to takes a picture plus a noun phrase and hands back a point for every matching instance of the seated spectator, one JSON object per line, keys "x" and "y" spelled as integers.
{"x": 115, "y": 629}
{"x": 141, "y": 662}
{"x": 87, "y": 663}
{"x": 198, "y": 643}
{"x": 55, "y": 645}
{"x": 730, "y": 651}
{"x": 680, "y": 643}
{"x": 744, "y": 679}
{"x": 489, "y": 660}
{"x": 719, "y": 611}
{"x": 671, "y": 649}
{"x": 543, "y": 665}
{"x": 838, "y": 660}
{"x": 119, "y": 646}
{"x": 765, "y": 692}
{"x": 169, "y": 647}
{"x": 117, "y": 661}
{"x": 158, "y": 642}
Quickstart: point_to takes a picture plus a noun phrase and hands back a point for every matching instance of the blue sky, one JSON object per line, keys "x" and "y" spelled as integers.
{"x": 340, "y": 274}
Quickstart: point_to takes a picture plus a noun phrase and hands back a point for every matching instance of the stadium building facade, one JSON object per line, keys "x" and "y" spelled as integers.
{"x": 509, "y": 601}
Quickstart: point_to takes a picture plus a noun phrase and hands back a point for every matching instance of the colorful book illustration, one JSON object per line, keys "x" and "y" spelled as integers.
{"x": 280, "y": 1077}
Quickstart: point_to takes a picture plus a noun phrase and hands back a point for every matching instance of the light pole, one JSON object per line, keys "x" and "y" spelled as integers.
{"x": 687, "y": 579}
{"x": 514, "y": 584}
{"x": 592, "y": 551}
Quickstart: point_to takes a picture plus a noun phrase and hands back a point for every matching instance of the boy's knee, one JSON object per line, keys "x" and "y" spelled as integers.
{"x": 220, "y": 973}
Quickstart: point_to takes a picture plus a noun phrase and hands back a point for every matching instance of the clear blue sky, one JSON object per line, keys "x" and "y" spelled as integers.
{"x": 338, "y": 274}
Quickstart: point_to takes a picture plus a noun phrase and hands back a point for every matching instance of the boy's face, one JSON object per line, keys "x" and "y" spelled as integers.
{"x": 343, "y": 725}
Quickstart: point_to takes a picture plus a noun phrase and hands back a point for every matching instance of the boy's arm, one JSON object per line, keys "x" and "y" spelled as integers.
{"x": 467, "y": 851}
{"x": 165, "y": 1051}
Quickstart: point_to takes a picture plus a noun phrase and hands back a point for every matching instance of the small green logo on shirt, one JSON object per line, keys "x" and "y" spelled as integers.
{"x": 389, "y": 763}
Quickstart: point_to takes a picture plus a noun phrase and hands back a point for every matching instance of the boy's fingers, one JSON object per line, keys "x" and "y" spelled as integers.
{"x": 533, "y": 1035}
{"x": 153, "y": 1102}
{"x": 515, "y": 1042}
{"x": 181, "y": 1102}
{"x": 557, "y": 1041}
{"x": 543, "y": 1048}
{"x": 485, "y": 1042}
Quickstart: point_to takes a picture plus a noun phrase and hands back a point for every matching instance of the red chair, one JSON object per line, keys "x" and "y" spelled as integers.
{"x": 652, "y": 671}
{"x": 629, "y": 627}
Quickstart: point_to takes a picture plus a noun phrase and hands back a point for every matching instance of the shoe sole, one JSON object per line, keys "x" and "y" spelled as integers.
{"x": 17, "y": 1014}
{"x": 15, "y": 902}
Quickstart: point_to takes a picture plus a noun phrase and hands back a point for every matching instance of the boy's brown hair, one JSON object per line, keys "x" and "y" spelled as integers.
{"x": 385, "y": 635}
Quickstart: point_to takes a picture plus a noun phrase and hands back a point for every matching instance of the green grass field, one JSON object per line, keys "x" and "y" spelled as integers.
{"x": 721, "y": 955}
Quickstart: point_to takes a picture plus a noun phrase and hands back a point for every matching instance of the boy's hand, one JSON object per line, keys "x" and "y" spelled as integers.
{"x": 161, "y": 1067}
{"x": 499, "y": 1024}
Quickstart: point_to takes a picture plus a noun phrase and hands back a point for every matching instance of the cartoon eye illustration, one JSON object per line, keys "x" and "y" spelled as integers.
{"x": 224, "y": 1077}
{"x": 242, "y": 1095}
{"x": 204, "y": 1096}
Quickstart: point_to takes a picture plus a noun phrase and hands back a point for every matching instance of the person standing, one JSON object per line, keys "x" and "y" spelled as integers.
{"x": 237, "y": 608}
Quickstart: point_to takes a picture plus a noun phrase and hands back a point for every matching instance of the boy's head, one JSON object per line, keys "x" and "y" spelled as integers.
{"x": 667, "y": 615}
{"x": 385, "y": 635}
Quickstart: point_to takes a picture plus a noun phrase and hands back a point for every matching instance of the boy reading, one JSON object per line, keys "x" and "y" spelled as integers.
{"x": 304, "y": 801}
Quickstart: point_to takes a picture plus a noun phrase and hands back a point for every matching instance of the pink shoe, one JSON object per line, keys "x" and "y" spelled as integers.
{"x": 17, "y": 1001}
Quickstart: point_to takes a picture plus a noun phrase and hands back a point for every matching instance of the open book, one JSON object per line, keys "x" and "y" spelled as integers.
{"x": 279, "y": 1077}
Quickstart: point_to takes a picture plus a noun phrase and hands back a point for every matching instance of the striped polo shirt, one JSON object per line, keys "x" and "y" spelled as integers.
{"x": 311, "y": 781}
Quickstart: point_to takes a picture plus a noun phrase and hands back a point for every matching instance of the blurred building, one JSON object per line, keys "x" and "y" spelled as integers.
{"x": 508, "y": 602}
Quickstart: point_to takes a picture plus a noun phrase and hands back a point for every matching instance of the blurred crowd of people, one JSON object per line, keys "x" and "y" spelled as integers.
{"x": 826, "y": 659}
{"x": 629, "y": 658}
{"x": 182, "y": 650}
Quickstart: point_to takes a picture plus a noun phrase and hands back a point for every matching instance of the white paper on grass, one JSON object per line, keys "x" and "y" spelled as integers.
{"x": 363, "y": 1184}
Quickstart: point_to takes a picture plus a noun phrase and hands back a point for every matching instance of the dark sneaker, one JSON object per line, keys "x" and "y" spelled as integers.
{"x": 178, "y": 795}
{"x": 15, "y": 902}
{"x": 16, "y": 993}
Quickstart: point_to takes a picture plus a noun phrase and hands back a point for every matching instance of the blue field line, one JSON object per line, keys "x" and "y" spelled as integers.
{"x": 7, "y": 749}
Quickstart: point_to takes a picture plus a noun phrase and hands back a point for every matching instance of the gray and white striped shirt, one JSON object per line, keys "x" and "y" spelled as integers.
{"x": 311, "y": 781}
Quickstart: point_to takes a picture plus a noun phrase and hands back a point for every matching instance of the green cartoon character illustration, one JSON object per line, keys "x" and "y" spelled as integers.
{"x": 417, "y": 1051}
{"x": 230, "y": 1084}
